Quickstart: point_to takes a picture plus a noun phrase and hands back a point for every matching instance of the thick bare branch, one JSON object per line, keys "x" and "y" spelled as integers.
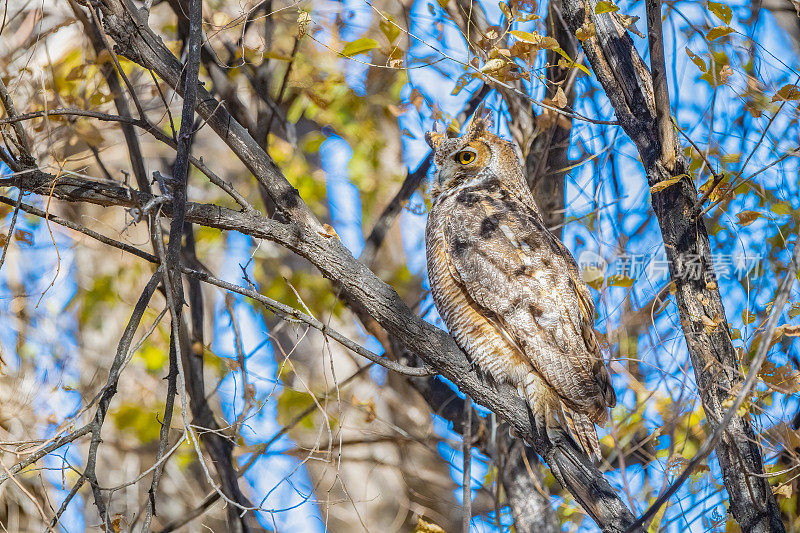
{"x": 380, "y": 301}
{"x": 628, "y": 84}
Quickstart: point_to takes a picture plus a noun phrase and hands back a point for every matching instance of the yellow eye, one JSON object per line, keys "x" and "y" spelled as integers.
{"x": 465, "y": 157}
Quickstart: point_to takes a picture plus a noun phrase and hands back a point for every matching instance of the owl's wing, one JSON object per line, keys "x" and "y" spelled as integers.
{"x": 526, "y": 280}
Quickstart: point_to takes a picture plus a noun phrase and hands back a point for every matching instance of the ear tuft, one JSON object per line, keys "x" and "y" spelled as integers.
{"x": 433, "y": 139}
{"x": 481, "y": 120}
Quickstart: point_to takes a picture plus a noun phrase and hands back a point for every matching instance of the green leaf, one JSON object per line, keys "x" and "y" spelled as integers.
{"x": 719, "y": 31}
{"x": 722, "y": 11}
{"x": 781, "y": 209}
{"x": 359, "y": 46}
{"x": 605, "y": 7}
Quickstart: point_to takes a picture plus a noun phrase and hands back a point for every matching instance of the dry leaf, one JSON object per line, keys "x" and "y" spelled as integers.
{"x": 661, "y": 185}
{"x": 745, "y": 218}
{"x": 560, "y": 98}
{"x": 329, "y": 231}
{"x": 427, "y": 527}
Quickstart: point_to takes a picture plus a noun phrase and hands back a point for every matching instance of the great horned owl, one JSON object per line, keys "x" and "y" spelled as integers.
{"x": 508, "y": 290}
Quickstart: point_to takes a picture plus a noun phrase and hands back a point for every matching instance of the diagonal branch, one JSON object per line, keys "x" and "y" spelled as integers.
{"x": 295, "y": 227}
{"x": 380, "y": 301}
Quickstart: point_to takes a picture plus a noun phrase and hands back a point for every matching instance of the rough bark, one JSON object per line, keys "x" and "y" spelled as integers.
{"x": 295, "y": 227}
{"x": 547, "y": 153}
{"x": 379, "y": 300}
{"x": 526, "y": 493}
{"x": 627, "y": 82}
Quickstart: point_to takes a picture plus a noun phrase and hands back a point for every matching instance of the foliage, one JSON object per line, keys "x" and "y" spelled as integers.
{"x": 339, "y": 96}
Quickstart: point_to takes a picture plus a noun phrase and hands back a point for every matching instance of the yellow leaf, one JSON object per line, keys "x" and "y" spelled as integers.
{"x": 390, "y": 30}
{"x": 605, "y": 7}
{"x": 781, "y": 209}
{"x": 571, "y": 63}
{"x": 359, "y": 46}
{"x": 722, "y": 11}
{"x": 618, "y": 280}
{"x": 655, "y": 525}
{"x": 493, "y": 65}
{"x": 697, "y": 60}
{"x": 661, "y": 185}
{"x": 527, "y": 37}
{"x": 587, "y": 31}
{"x": 719, "y": 31}
{"x": 427, "y": 527}
{"x": 506, "y": 11}
{"x": 549, "y": 43}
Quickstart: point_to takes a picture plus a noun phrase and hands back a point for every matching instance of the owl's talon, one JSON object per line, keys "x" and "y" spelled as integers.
{"x": 540, "y": 424}
{"x": 557, "y": 436}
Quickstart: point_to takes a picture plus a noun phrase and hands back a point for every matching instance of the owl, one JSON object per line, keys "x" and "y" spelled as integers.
{"x": 508, "y": 290}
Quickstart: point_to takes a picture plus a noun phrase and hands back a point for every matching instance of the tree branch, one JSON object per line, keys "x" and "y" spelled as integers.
{"x": 658, "y": 70}
{"x": 380, "y": 301}
{"x": 629, "y": 87}
{"x": 295, "y": 227}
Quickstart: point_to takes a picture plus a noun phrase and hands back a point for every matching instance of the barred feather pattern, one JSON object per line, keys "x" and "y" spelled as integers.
{"x": 509, "y": 291}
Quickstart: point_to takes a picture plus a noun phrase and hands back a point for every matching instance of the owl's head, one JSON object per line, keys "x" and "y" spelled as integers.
{"x": 475, "y": 155}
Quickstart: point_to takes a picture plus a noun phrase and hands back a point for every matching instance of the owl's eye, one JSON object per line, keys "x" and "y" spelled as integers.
{"x": 465, "y": 157}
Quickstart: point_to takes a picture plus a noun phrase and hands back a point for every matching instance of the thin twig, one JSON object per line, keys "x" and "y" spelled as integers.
{"x": 10, "y": 234}
{"x": 466, "y": 477}
{"x": 110, "y": 389}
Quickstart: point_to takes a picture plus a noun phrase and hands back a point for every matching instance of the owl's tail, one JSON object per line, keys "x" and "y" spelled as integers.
{"x": 584, "y": 432}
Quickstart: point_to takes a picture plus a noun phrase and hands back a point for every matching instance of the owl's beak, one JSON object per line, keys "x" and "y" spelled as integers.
{"x": 433, "y": 139}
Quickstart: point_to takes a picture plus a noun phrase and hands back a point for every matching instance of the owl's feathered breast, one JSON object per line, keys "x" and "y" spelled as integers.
{"x": 492, "y": 262}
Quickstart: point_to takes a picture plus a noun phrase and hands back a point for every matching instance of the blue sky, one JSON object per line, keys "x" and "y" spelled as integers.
{"x": 278, "y": 481}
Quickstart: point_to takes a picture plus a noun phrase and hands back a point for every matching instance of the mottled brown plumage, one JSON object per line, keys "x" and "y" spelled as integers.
{"x": 509, "y": 290}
